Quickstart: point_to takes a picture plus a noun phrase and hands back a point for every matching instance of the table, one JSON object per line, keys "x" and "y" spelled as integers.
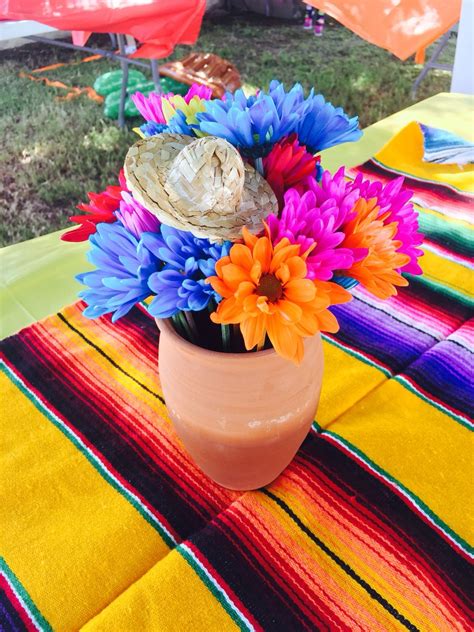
{"x": 158, "y": 25}
{"x": 108, "y": 525}
{"x": 37, "y": 276}
{"x": 31, "y": 30}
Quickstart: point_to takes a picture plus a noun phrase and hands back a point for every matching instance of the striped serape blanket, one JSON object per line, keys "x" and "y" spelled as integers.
{"x": 106, "y": 524}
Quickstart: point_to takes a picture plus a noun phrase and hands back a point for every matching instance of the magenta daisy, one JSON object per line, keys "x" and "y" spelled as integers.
{"x": 315, "y": 224}
{"x": 394, "y": 206}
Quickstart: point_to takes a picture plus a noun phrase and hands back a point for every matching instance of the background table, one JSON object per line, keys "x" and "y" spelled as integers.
{"x": 37, "y": 276}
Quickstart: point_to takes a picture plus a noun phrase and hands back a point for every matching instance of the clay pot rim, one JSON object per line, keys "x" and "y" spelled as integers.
{"x": 164, "y": 323}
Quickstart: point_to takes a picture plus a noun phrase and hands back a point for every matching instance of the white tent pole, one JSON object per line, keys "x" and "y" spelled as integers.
{"x": 463, "y": 75}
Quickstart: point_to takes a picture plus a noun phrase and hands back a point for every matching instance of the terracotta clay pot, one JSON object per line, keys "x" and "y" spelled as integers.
{"x": 241, "y": 416}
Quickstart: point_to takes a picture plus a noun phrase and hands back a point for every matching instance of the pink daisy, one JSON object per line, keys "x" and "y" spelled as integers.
{"x": 151, "y": 107}
{"x": 315, "y": 224}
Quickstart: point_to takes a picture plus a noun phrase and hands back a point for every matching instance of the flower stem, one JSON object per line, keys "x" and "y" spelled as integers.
{"x": 182, "y": 326}
{"x": 259, "y": 165}
{"x": 236, "y": 335}
{"x": 211, "y": 306}
{"x": 225, "y": 332}
{"x": 178, "y": 325}
{"x": 193, "y": 333}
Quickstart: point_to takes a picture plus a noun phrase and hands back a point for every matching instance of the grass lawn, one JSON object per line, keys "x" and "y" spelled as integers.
{"x": 54, "y": 151}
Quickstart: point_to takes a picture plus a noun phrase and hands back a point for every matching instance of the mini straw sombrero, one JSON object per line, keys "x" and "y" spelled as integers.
{"x": 199, "y": 185}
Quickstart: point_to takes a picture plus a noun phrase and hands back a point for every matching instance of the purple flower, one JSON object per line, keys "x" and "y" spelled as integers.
{"x": 394, "y": 206}
{"x": 336, "y": 188}
{"x": 394, "y": 203}
{"x": 135, "y": 217}
{"x": 150, "y": 107}
{"x": 197, "y": 90}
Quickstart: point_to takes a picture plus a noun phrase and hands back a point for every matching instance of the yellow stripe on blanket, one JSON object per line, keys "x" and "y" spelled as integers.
{"x": 415, "y": 442}
{"x": 341, "y": 368}
{"x": 181, "y": 602}
{"x": 58, "y": 509}
{"x": 117, "y": 349}
{"x": 447, "y": 273}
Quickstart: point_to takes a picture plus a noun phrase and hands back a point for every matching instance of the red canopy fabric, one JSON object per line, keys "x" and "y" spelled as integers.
{"x": 158, "y": 24}
{"x": 401, "y": 26}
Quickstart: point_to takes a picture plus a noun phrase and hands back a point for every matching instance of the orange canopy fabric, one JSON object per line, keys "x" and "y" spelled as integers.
{"x": 158, "y": 24}
{"x": 401, "y": 26}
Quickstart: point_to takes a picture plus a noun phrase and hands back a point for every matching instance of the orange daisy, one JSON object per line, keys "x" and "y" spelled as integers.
{"x": 265, "y": 291}
{"x": 377, "y": 271}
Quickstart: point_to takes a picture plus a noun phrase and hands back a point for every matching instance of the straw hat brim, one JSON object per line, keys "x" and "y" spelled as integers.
{"x": 147, "y": 171}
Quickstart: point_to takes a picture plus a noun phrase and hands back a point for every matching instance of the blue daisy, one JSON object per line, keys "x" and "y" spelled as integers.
{"x": 178, "y": 125}
{"x": 255, "y": 123}
{"x": 124, "y": 266}
{"x": 322, "y": 125}
{"x": 150, "y": 128}
{"x": 188, "y": 260}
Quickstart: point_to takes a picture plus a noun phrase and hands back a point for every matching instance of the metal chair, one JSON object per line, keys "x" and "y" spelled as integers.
{"x": 432, "y": 62}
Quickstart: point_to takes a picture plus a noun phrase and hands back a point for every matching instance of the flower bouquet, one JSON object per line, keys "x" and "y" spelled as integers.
{"x": 226, "y": 228}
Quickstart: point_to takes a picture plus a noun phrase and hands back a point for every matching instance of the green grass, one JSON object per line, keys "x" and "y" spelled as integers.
{"x": 54, "y": 151}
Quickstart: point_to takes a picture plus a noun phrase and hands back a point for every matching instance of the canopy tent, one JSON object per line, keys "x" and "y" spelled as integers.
{"x": 159, "y": 25}
{"x": 401, "y": 26}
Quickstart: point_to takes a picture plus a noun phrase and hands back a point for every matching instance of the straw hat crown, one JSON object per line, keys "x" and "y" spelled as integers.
{"x": 199, "y": 185}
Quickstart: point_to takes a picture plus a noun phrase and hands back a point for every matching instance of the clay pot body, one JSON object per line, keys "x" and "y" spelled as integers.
{"x": 242, "y": 417}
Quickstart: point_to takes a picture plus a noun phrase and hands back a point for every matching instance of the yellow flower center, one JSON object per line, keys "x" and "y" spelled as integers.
{"x": 270, "y": 287}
